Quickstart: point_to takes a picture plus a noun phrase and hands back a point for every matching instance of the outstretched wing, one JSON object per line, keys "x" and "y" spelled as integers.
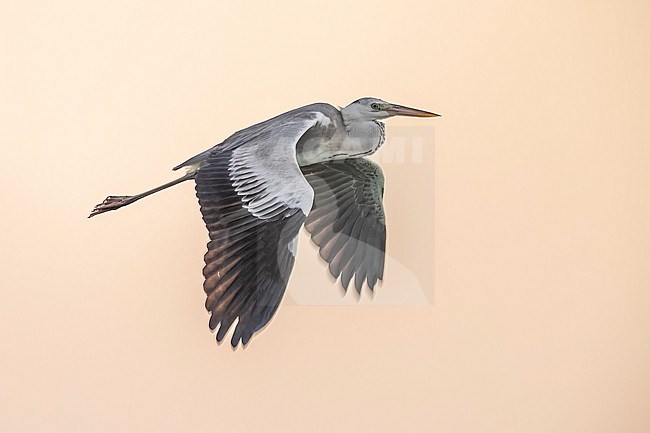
{"x": 347, "y": 219}
{"x": 253, "y": 199}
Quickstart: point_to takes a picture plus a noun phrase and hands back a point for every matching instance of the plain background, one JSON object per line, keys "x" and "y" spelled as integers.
{"x": 522, "y": 218}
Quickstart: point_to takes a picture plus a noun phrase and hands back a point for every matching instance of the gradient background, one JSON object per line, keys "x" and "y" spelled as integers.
{"x": 518, "y": 226}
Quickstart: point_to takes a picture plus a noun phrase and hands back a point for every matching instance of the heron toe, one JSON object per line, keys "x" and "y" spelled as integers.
{"x": 112, "y": 202}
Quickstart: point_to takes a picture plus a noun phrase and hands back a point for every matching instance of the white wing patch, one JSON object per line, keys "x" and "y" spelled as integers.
{"x": 293, "y": 246}
{"x": 322, "y": 119}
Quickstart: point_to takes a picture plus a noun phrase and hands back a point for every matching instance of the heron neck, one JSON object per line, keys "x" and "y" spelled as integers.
{"x": 353, "y": 139}
{"x": 363, "y": 136}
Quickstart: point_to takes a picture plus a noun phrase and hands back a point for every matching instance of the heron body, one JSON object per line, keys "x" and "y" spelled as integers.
{"x": 259, "y": 186}
{"x": 333, "y": 135}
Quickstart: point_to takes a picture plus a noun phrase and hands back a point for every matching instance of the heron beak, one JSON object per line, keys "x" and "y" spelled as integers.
{"x": 400, "y": 110}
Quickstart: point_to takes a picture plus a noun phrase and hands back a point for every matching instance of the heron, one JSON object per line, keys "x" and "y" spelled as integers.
{"x": 255, "y": 194}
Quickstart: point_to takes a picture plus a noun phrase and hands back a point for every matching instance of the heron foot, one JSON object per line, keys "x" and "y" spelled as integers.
{"x": 112, "y": 202}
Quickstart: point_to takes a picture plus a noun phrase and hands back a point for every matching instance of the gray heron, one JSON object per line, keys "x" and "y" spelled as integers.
{"x": 257, "y": 188}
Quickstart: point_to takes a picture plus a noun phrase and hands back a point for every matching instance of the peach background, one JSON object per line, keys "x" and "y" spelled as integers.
{"x": 524, "y": 222}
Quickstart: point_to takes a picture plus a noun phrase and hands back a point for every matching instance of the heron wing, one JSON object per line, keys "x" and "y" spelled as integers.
{"x": 347, "y": 220}
{"x": 253, "y": 199}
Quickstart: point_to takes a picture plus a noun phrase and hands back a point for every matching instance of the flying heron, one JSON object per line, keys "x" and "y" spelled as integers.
{"x": 255, "y": 191}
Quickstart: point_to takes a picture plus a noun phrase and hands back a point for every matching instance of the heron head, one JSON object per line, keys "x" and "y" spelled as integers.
{"x": 366, "y": 109}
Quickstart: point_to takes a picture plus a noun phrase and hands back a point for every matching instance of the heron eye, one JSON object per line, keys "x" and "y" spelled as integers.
{"x": 374, "y": 106}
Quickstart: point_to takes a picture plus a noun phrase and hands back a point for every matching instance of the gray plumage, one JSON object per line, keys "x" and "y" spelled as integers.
{"x": 347, "y": 219}
{"x": 257, "y": 188}
{"x": 331, "y": 137}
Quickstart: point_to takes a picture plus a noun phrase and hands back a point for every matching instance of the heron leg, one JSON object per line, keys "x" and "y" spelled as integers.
{"x": 114, "y": 202}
